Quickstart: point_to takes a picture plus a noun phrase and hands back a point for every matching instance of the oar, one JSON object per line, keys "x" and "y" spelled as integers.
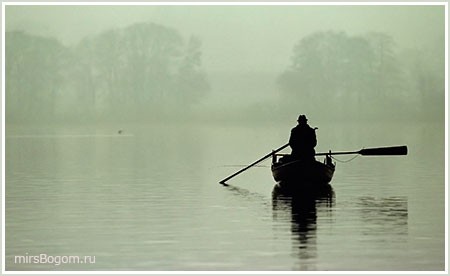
{"x": 252, "y": 164}
{"x": 396, "y": 150}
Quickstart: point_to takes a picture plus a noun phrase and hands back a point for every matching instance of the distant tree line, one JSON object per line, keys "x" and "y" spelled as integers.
{"x": 143, "y": 71}
{"x": 150, "y": 72}
{"x": 364, "y": 76}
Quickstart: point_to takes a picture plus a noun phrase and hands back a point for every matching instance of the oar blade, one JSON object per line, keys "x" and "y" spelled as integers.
{"x": 397, "y": 150}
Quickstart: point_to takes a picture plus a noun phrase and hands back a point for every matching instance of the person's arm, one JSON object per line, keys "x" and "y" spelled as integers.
{"x": 292, "y": 139}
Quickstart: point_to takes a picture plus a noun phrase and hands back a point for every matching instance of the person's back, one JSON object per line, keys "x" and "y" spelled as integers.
{"x": 303, "y": 140}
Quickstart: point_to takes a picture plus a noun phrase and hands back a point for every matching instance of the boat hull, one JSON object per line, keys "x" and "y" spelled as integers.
{"x": 302, "y": 172}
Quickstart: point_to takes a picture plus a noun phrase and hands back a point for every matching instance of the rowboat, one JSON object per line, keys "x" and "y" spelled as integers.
{"x": 303, "y": 171}
{"x": 288, "y": 172}
{"x": 311, "y": 173}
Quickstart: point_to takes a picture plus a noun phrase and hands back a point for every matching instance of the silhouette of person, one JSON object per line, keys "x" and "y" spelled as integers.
{"x": 303, "y": 140}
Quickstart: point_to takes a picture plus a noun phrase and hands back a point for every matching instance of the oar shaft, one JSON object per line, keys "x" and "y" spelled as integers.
{"x": 252, "y": 164}
{"x": 395, "y": 150}
{"x": 337, "y": 153}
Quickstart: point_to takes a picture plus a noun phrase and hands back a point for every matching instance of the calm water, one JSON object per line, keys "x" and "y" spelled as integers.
{"x": 149, "y": 199}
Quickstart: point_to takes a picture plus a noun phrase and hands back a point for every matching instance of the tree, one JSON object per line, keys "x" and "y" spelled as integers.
{"x": 142, "y": 69}
{"x": 425, "y": 69}
{"x": 34, "y": 76}
{"x": 136, "y": 72}
{"x": 98, "y": 75}
{"x": 348, "y": 74}
{"x": 386, "y": 75}
{"x": 191, "y": 81}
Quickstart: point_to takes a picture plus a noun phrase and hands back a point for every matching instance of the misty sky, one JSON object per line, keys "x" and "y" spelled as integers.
{"x": 244, "y": 38}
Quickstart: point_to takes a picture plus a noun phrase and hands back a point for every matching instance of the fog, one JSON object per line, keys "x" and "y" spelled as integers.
{"x": 224, "y": 63}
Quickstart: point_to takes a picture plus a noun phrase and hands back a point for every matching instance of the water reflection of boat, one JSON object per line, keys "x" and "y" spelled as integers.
{"x": 301, "y": 212}
{"x": 306, "y": 194}
{"x": 303, "y": 190}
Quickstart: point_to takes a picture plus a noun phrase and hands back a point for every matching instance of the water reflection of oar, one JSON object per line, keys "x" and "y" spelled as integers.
{"x": 252, "y": 164}
{"x": 396, "y": 150}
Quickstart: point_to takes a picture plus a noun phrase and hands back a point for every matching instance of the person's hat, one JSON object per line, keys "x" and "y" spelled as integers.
{"x": 302, "y": 118}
